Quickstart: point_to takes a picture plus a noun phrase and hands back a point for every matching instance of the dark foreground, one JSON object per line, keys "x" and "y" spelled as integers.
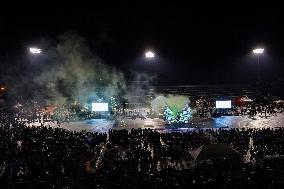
{"x": 42, "y": 157}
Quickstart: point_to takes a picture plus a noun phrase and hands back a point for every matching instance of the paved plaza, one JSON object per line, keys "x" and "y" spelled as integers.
{"x": 103, "y": 125}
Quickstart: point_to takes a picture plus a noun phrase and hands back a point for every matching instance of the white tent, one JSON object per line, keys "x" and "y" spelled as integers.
{"x": 246, "y": 99}
{"x": 279, "y": 101}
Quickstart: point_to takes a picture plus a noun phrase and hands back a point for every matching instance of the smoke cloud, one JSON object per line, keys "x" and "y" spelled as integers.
{"x": 66, "y": 71}
{"x": 176, "y": 102}
{"x": 78, "y": 74}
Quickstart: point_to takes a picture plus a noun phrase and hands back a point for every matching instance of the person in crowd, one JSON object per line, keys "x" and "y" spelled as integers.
{"x": 39, "y": 156}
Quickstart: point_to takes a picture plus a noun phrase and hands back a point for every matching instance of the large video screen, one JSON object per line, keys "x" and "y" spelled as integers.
{"x": 223, "y": 104}
{"x": 100, "y": 107}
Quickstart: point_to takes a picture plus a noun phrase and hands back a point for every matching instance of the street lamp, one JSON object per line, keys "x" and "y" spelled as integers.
{"x": 150, "y": 57}
{"x": 149, "y": 54}
{"x": 34, "y": 51}
{"x": 258, "y": 52}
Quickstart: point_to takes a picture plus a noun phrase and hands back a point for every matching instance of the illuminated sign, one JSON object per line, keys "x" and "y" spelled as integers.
{"x": 223, "y": 104}
{"x": 100, "y": 107}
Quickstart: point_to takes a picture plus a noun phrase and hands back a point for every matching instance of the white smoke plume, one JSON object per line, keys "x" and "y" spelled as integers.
{"x": 76, "y": 74}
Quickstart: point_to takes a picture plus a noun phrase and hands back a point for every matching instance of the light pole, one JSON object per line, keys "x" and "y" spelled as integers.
{"x": 258, "y": 52}
{"x": 34, "y": 51}
{"x": 149, "y": 54}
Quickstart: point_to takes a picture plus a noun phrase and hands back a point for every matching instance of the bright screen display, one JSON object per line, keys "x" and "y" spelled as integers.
{"x": 223, "y": 104}
{"x": 100, "y": 107}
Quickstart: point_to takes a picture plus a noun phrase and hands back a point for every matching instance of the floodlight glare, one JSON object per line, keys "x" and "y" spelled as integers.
{"x": 34, "y": 50}
{"x": 258, "y": 51}
{"x": 149, "y": 54}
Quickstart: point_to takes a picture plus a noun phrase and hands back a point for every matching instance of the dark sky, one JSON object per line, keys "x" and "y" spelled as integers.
{"x": 195, "y": 44}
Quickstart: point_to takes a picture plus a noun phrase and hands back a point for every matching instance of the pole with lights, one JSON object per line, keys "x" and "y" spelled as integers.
{"x": 258, "y": 52}
{"x": 35, "y": 51}
{"x": 149, "y": 55}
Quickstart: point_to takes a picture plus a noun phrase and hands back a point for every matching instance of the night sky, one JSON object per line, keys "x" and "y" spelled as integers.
{"x": 195, "y": 44}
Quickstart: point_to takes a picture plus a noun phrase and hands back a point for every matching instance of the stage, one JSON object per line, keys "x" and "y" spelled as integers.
{"x": 103, "y": 125}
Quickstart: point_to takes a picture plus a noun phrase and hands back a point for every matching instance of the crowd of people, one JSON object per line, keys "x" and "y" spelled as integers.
{"x": 33, "y": 157}
{"x": 147, "y": 158}
{"x": 265, "y": 109}
{"x": 45, "y": 157}
{"x": 32, "y": 111}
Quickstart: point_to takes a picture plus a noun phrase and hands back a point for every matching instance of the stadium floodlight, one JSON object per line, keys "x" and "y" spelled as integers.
{"x": 258, "y": 51}
{"x": 34, "y": 50}
{"x": 150, "y": 54}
